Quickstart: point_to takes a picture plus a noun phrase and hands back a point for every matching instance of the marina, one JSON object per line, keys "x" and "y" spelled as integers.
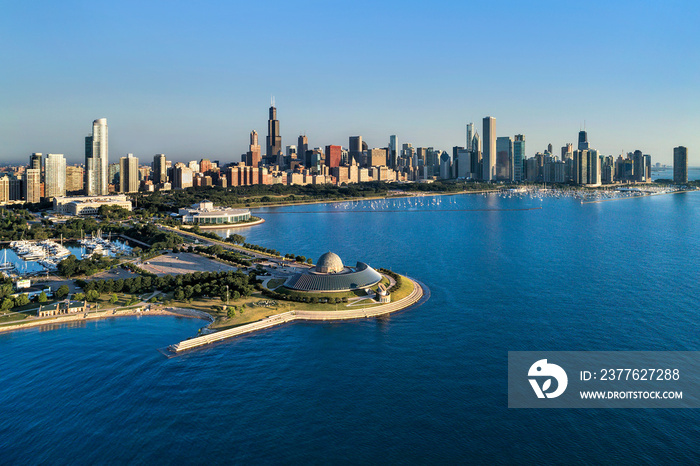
{"x": 26, "y": 258}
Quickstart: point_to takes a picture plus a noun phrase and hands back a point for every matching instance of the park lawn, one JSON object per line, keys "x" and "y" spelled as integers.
{"x": 103, "y": 300}
{"x": 12, "y": 318}
{"x": 275, "y": 282}
{"x": 403, "y": 291}
{"x": 341, "y": 294}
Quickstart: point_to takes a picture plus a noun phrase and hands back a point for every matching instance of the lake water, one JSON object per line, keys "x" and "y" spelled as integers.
{"x": 425, "y": 385}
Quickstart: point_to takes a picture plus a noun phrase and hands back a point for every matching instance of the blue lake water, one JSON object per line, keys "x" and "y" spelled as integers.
{"x": 426, "y": 385}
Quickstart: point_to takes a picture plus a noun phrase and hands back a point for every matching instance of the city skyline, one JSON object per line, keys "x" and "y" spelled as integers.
{"x": 182, "y": 84}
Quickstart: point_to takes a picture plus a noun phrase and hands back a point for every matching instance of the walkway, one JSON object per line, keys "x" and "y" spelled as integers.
{"x": 291, "y": 316}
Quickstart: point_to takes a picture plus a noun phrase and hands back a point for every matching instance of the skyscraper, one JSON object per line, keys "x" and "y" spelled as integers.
{"x": 302, "y": 147}
{"x": 518, "y": 157}
{"x": 489, "y": 152}
{"x": 35, "y": 161}
{"x": 680, "y": 165}
{"x": 55, "y": 185}
{"x": 75, "y": 177}
{"x": 129, "y": 174}
{"x": 274, "y": 140}
{"x": 393, "y": 152}
{"x": 504, "y": 158}
{"x": 252, "y": 157}
{"x": 32, "y": 185}
{"x": 355, "y": 150}
{"x": 582, "y": 140}
{"x": 96, "y": 159}
{"x": 470, "y": 136}
{"x": 333, "y": 154}
{"x": 160, "y": 170}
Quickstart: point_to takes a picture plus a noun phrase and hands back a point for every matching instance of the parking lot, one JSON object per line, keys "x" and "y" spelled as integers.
{"x": 181, "y": 263}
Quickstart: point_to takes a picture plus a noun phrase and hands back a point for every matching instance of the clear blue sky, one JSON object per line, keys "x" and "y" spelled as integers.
{"x": 191, "y": 80}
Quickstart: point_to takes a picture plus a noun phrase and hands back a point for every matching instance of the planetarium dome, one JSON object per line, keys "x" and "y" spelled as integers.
{"x": 329, "y": 263}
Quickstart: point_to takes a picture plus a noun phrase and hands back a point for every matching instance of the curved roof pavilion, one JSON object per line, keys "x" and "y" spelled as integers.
{"x": 331, "y": 275}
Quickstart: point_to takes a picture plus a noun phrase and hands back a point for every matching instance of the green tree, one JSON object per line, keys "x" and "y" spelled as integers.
{"x": 309, "y": 261}
{"x": 42, "y": 298}
{"x": 62, "y": 291}
{"x": 7, "y": 304}
{"x": 114, "y": 298}
{"x": 92, "y": 295}
{"x": 236, "y": 239}
{"x": 79, "y": 296}
{"x": 22, "y": 300}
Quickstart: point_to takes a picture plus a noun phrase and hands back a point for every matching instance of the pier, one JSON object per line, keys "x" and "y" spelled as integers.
{"x": 414, "y": 297}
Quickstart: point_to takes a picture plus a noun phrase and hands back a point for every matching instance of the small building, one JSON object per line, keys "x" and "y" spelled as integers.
{"x": 88, "y": 205}
{"x": 33, "y": 291}
{"x": 204, "y": 213}
{"x": 62, "y": 308}
{"x": 383, "y": 295}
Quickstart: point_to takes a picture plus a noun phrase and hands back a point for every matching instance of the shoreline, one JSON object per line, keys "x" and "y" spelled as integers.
{"x": 418, "y": 295}
{"x": 233, "y": 225}
{"x": 106, "y": 314}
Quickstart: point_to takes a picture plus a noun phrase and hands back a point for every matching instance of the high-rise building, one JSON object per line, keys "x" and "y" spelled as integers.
{"x": 160, "y": 169}
{"x": 594, "y": 174}
{"x": 35, "y": 161}
{"x": 376, "y": 157}
{"x": 680, "y": 165}
{"x": 518, "y": 157}
{"x": 489, "y": 151}
{"x": 355, "y": 150}
{"x": 302, "y": 147}
{"x": 182, "y": 176}
{"x": 97, "y": 159}
{"x": 55, "y": 179}
{"x": 470, "y": 136}
{"x": 393, "y": 152}
{"x": 75, "y": 176}
{"x": 205, "y": 166}
{"x": 252, "y": 157}
{"x": 475, "y": 157}
{"x": 567, "y": 151}
{"x": 129, "y": 174}
{"x": 4, "y": 189}
{"x": 32, "y": 185}
{"x": 582, "y": 140}
{"x": 274, "y": 140}
{"x": 333, "y": 154}
{"x": 504, "y": 158}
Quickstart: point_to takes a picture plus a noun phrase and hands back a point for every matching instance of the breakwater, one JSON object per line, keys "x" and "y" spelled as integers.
{"x": 414, "y": 297}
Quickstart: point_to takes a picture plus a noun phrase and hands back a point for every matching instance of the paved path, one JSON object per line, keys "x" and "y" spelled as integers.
{"x": 291, "y": 316}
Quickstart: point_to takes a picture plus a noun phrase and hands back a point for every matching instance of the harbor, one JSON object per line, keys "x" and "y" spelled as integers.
{"x": 25, "y": 258}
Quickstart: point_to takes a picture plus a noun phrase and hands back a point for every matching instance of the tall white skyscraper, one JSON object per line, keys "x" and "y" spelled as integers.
{"x": 55, "y": 176}
{"x": 489, "y": 151}
{"x": 97, "y": 160}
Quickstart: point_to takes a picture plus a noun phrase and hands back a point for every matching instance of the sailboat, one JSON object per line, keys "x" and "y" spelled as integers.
{"x": 5, "y": 265}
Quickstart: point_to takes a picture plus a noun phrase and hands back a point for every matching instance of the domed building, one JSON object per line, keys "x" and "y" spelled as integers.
{"x": 330, "y": 275}
{"x": 329, "y": 263}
